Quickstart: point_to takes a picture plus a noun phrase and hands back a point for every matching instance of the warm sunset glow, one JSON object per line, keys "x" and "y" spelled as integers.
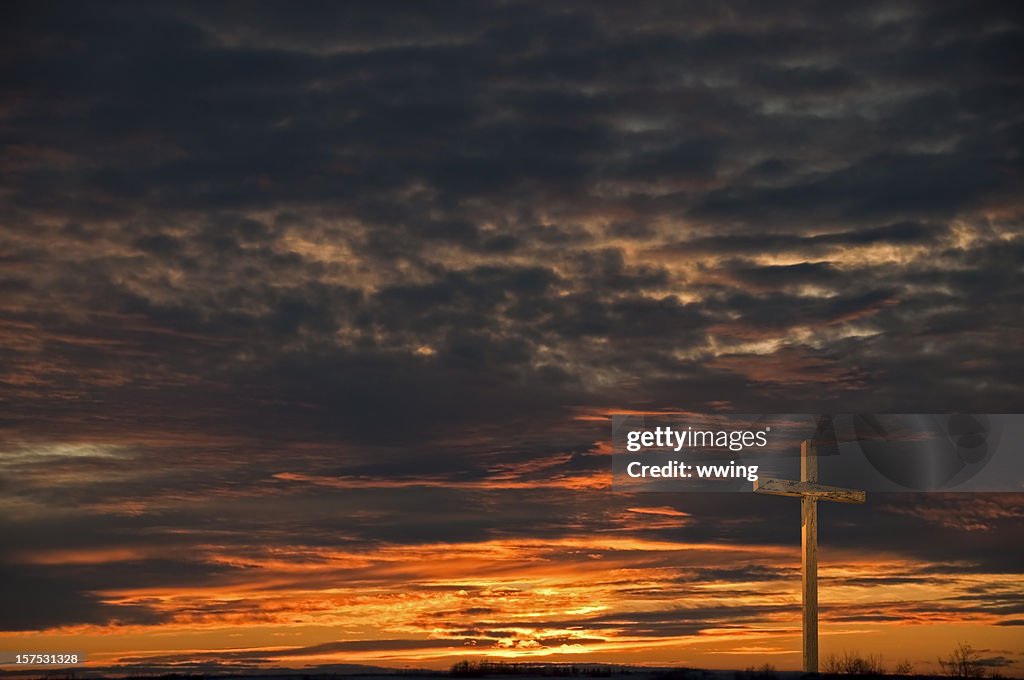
{"x": 314, "y": 317}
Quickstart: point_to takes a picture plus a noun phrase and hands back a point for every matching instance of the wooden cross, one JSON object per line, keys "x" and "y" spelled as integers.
{"x": 809, "y": 492}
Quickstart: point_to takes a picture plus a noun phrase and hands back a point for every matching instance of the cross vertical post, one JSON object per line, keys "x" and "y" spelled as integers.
{"x": 809, "y": 563}
{"x": 809, "y": 492}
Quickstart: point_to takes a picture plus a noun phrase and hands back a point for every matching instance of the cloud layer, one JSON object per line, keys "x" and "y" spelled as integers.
{"x": 294, "y": 302}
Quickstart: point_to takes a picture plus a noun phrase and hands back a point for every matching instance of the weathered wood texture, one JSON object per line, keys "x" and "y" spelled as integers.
{"x": 809, "y": 575}
{"x": 809, "y": 562}
{"x": 809, "y": 492}
{"x": 785, "y": 487}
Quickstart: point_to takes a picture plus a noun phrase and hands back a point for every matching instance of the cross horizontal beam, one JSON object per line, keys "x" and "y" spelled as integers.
{"x": 785, "y": 487}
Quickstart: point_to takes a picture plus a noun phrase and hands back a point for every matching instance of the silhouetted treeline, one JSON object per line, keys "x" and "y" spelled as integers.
{"x": 476, "y": 669}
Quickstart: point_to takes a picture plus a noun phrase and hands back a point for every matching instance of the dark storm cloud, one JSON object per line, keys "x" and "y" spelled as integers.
{"x": 781, "y": 276}
{"x": 36, "y": 600}
{"x": 900, "y": 233}
{"x": 250, "y": 249}
{"x": 922, "y": 185}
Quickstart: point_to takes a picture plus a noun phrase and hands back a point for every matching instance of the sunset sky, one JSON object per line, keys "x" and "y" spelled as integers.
{"x": 313, "y": 317}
